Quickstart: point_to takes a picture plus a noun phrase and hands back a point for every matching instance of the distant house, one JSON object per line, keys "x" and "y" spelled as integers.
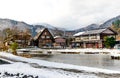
{"x": 44, "y": 38}
{"x": 93, "y": 38}
{"x": 60, "y": 42}
{"x": 22, "y": 39}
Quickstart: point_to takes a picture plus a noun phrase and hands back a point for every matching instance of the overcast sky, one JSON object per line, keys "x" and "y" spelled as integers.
{"x": 70, "y": 14}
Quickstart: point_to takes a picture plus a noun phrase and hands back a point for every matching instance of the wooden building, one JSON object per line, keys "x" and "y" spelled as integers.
{"x": 93, "y": 38}
{"x": 44, "y": 38}
{"x": 60, "y": 42}
{"x": 22, "y": 38}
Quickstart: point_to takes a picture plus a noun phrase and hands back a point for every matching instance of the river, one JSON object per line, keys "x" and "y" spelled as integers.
{"x": 3, "y": 62}
{"x": 90, "y": 60}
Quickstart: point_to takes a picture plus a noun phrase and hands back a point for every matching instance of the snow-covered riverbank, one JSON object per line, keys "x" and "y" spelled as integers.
{"x": 87, "y": 50}
{"x": 78, "y": 51}
{"x": 44, "y": 69}
{"x": 54, "y": 64}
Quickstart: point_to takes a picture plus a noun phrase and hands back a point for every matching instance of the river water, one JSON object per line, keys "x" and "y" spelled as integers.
{"x": 3, "y": 62}
{"x": 90, "y": 60}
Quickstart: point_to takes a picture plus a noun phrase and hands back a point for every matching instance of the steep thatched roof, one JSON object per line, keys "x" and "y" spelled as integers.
{"x": 40, "y": 33}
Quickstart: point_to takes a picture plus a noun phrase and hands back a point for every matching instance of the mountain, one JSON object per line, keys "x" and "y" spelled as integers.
{"x": 106, "y": 24}
{"x": 8, "y": 23}
{"x": 109, "y": 22}
{"x": 87, "y": 28}
{"x": 48, "y": 26}
{"x": 44, "y": 25}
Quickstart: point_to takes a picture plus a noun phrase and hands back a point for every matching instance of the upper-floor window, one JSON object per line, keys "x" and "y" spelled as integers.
{"x": 45, "y": 33}
{"x": 77, "y": 38}
{"x": 85, "y": 37}
{"x": 93, "y": 36}
{"x": 47, "y": 36}
{"x": 42, "y": 36}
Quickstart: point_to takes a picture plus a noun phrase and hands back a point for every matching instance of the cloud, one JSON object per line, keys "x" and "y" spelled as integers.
{"x": 94, "y": 11}
{"x": 84, "y": 12}
{"x": 70, "y": 14}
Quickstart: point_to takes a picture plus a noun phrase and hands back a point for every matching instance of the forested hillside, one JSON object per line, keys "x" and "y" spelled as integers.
{"x": 116, "y": 26}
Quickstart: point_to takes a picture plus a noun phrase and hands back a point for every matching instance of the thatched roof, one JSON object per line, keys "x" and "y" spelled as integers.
{"x": 40, "y": 33}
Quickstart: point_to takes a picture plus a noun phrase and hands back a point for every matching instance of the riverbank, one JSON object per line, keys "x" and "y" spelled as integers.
{"x": 33, "y": 66}
{"x": 69, "y": 51}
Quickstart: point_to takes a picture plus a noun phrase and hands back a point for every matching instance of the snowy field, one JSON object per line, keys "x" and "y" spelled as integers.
{"x": 32, "y": 68}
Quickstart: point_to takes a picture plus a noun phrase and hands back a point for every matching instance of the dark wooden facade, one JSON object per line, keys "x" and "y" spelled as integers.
{"x": 44, "y": 39}
{"x": 60, "y": 42}
{"x": 23, "y": 39}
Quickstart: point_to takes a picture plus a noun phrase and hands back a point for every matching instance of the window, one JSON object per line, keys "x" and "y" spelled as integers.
{"x": 77, "y": 39}
{"x": 93, "y": 36}
{"x": 42, "y": 36}
{"x": 47, "y": 36}
{"x": 45, "y": 33}
{"x": 85, "y": 37}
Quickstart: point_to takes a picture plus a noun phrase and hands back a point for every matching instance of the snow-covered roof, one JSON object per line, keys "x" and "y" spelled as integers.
{"x": 40, "y": 32}
{"x": 78, "y": 34}
{"x": 97, "y": 31}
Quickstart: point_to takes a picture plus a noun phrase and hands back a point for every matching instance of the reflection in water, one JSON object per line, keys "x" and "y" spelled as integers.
{"x": 43, "y": 56}
{"x": 91, "y": 60}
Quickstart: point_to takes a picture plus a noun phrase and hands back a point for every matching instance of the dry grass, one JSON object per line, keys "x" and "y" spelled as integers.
{"x": 25, "y": 55}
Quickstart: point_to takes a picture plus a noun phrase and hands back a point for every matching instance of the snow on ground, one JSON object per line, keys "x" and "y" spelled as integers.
{"x": 58, "y": 65}
{"x": 87, "y": 50}
{"x": 92, "y": 50}
{"x": 25, "y": 69}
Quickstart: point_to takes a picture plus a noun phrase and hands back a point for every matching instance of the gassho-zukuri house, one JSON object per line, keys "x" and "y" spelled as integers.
{"x": 92, "y": 38}
{"x": 44, "y": 38}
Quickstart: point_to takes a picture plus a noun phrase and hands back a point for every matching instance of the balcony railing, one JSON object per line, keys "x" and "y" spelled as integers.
{"x": 87, "y": 38}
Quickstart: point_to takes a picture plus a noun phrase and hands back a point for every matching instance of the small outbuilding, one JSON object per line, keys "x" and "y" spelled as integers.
{"x": 60, "y": 42}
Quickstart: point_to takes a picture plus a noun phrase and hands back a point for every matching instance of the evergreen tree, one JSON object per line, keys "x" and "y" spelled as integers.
{"x": 109, "y": 42}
